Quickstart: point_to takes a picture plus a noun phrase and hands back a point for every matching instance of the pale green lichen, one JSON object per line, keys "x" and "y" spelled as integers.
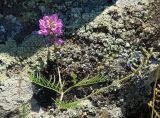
{"x": 6, "y": 60}
{"x": 30, "y": 55}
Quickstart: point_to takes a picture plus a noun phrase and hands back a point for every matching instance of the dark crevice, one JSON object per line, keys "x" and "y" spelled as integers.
{"x": 102, "y": 29}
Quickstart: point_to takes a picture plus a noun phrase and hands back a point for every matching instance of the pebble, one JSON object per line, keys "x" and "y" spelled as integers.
{"x": 119, "y": 41}
{"x": 127, "y": 45}
{"x": 42, "y": 8}
{"x": 1, "y": 16}
{"x": 2, "y": 29}
{"x": 9, "y": 27}
{"x": 10, "y": 17}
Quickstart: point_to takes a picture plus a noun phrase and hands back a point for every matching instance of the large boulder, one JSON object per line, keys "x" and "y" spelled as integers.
{"x": 103, "y": 38}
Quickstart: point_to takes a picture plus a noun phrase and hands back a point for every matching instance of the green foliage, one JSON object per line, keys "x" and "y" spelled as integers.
{"x": 74, "y": 77}
{"x": 24, "y": 110}
{"x": 57, "y": 87}
{"x": 91, "y": 80}
{"x": 45, "y": 83}
{"x": 88, "y": 81}
{"x": 66, "y": 105}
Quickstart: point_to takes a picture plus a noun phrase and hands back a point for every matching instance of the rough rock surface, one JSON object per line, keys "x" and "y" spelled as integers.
{"x": 86, "y": 109}
{"x": 14, "y": 92}
{"x": 9, "y": 28}
{"x": 110, "y": 35}
{"x": 101, "y": 38}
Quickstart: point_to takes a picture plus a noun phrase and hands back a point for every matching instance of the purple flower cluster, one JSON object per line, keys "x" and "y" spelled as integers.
{"x": 51, "y": 26}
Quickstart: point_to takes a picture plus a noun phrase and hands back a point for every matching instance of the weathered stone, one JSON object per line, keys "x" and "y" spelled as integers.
{"x": 105, "y": 35}
{"x": 10, "y": 27}
{"x": 14, "y": 92}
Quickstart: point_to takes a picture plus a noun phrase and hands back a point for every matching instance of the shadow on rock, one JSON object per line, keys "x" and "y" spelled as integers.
{"x": 74, "y": 14}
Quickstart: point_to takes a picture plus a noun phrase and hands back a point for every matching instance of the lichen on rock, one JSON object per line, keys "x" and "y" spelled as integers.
{"x": 99, "y": 39}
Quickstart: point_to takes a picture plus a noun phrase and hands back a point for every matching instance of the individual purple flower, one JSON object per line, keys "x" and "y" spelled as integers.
{"x": 50, "y": 25}
{"x": 59, "y": 41}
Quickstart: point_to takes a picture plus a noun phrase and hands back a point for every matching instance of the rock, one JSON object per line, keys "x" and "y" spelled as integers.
{"x": 1, "y": 16}
{"x": 103, "y": 35}
{"x": 2, "y": 34}
{"x": 10, "y": 27}
{"x": 119, "y": 41}
{"x": 14, "y": 92}
{"x": 84, "y": 106}
{"x": 127, "y": 45}
{"x": 136, "y": 95}
{"x": 5, "y": 61}
{"x": 43, "y": 9}
{"x": 116, "y": 112}
{"x": 135, "y": 57}
{"x": 25, "y": 56}
{"x": 2, "y": 29}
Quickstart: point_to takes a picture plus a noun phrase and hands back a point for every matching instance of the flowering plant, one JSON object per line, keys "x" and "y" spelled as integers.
{"x": 51, "y": 26}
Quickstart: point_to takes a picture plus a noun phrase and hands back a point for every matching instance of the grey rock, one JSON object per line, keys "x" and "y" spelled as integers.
{"x": 43, "y": 9}
{"x": 116, "y": 112}
{"x": 127, "y": 45}
{"x": 10, "y": 27}
{"x": 119, "y": 41}
{"x": 13, "y": 93}
{"x": 85, "y": 105}
{"x": 10, "y": 18}
{"x": 1, "y": 16}
{"x": 135, "y": 57}
{"x": 2, "y": 29}
{"x": 2, "y": 34}
{"x": 102, "y": 31}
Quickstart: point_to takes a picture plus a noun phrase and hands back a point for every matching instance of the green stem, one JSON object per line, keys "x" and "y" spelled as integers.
{"x": 113, "y": 83}
{"x": 47, "y": 87}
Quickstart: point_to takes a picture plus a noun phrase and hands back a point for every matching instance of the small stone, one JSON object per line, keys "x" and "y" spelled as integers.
{"x": 121, "y": 25}
{"x": 119, "y": 41}
{"x": 68, "y": 3}
{"x": 127, "y": 45}
{"x": 42, "y": 8}
{"x": 121, "y": 100}
{"x": 2, "y": 29}
{"x": 11, "y": 18}
{"x": 1, "y": 16}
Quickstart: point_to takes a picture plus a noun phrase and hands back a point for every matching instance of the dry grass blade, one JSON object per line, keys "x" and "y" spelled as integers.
{"x": 154, "y": 104}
